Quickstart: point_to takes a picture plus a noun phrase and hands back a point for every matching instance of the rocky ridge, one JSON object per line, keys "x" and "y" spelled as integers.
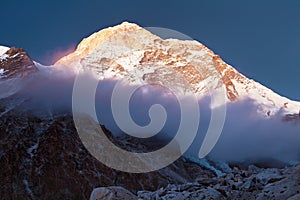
{"x": 16, "y": 63}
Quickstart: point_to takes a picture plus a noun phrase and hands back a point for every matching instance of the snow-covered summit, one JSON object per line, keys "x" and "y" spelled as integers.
{"x": 90, "y": 43}
{"x": 129, "y": 52}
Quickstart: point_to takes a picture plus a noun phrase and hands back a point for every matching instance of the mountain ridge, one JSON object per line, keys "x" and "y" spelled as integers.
{"x": 15, "y": 62}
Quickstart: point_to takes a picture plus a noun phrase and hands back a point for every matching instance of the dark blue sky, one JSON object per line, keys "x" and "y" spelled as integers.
{"x": 261, "y": 39}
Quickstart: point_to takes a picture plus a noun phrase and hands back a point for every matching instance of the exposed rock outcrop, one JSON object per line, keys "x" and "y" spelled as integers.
{"x": 112, "y": 193}
{"x": 16, "y": 63}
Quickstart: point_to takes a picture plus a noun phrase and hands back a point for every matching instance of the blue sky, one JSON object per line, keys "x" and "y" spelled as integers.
{"x": 261, "y": 39}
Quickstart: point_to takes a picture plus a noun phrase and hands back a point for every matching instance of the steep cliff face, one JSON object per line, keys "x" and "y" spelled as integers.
{"x": 132, "y": 53}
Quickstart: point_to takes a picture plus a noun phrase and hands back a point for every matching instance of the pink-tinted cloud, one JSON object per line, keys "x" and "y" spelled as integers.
{"x": 54, "y": 55}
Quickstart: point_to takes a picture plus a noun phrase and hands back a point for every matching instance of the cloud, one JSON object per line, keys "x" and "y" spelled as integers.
{"x": 246, "y": 136}
{"x": 250, "y": 137}
{"x": 52, "y": 56}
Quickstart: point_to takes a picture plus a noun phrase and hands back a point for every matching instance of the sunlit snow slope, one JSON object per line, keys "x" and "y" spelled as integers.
{"x": 131, "y": 53}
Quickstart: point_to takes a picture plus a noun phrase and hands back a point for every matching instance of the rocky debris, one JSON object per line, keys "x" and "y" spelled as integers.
{"x": 186, "y": 191}
{"x": 295, "y": 197}
{"x": 252, "y": 183}
{"x": 288, "y": 186}
{"x": 16, "y": 63}
{"x": 112, "y": 193}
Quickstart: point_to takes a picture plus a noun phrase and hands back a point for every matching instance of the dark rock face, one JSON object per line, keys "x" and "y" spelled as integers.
{"x": 44, "y": 159}
{"x": 16, "y": 63}
{"x": 292, "y": 117}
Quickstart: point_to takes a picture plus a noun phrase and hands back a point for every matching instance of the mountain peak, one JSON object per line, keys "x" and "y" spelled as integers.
{"x": 15, "y": 62}
{"x": 90, "y": 43}
{"x": 127, "y": 24}
{"x": 13, "y": 51}
{"x": 133, "y": 54}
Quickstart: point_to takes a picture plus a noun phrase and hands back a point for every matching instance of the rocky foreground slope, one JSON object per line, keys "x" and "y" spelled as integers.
{"x": 251, "y": 183}
{"x": 43, "y": 158}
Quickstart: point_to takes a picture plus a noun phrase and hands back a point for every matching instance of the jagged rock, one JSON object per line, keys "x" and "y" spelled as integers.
{"x": 295, "y": 197}
{"x": 257, "y": 181}
{"x": 269, "y": 176}
{"x": 283, "y": 189}
{"x": 254, "y": 169}
{"x": 291, "y": 117}
{"x": 16, "y": 63}
{"x": 181, "y": 192}
{"x": 112, "y": 193}
{"x": 261, "y": 184}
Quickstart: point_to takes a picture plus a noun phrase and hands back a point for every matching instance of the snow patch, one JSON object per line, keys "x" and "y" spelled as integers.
{"x": 28, "y": 190}
{"x": 31, "y": 149}
{"x": 1, "y": 73}
{"x": 3, "y": 56}
{"x": 3, "y": 50}
{"x": 15, "y": 55}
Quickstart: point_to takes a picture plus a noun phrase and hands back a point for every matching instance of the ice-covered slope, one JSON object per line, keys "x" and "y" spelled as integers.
{"x": 132, "y": 53}
{"x": 3, "y": 49}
